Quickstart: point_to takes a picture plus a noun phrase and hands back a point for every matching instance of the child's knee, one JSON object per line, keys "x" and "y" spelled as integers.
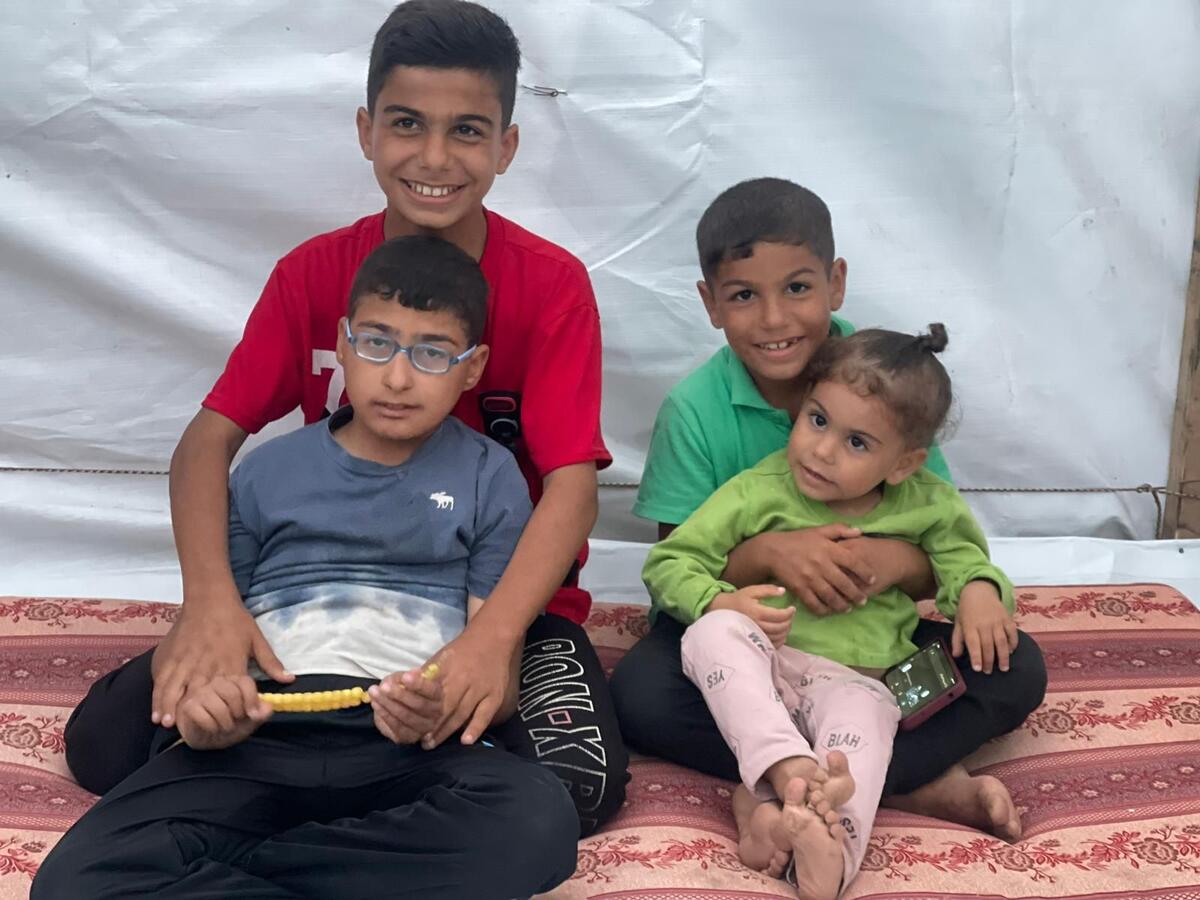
{"x": 544, "y": 842}
{"x": 721, "y": 628}
{"x": 53, "y": 880}
{"x": 109, "y": 734}
{"x": 717, "y": 638}
{"x": 1025, "y": 681}
{"x": 611, "y": 795}
{"x": 596, "y": 782}
{"x": 66, "y": 873}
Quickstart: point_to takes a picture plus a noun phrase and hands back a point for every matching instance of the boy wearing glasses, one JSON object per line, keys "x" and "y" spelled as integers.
{"x": 437, "y": 128}
{"x": 361, "y": 546}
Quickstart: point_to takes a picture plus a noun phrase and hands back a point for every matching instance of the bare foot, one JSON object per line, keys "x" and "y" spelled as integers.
{"x": 758, "y": 823}
{"x": 816, "y": 843}
{"x": 757, "y": 848}
{"x": 980, "y": 801}
{"x": 832, "y": 786}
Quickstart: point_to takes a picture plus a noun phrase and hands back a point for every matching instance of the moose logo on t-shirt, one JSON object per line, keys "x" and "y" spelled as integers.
{"x": 443, "y": 500}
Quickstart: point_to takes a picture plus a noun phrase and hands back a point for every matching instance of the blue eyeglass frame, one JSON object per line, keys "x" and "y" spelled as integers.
{"x": 397, "y": 347}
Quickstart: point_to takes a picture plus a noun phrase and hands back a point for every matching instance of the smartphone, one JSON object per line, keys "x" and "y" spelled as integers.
{"x": 924, "y": 683}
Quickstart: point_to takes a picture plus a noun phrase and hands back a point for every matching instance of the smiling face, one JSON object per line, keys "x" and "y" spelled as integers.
{"x": 844, "y": 445}
{"x": 437, "y": 142}
{"x": 396, "y": 406}
{"x": 774, "y": 307}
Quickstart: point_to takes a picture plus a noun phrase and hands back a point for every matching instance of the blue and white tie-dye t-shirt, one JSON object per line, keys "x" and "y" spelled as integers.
{"x": 354, "y": 568}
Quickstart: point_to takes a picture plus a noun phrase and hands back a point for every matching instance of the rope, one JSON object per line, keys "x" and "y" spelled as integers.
{"x": 1157, "y": 492}
{"x": 45, "y": 471}
{"x": 1154, "y": 491}
{"x": 1140, "y": 489}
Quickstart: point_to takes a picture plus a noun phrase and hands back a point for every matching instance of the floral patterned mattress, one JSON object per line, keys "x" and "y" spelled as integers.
{"x": 1106, "y": 772}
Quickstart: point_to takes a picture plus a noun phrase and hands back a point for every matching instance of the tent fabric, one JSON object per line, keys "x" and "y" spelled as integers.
{"x": 1024, "y": 172}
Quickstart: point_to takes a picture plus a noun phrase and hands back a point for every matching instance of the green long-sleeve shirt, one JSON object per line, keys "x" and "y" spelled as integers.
{"x": 683, "y": 572}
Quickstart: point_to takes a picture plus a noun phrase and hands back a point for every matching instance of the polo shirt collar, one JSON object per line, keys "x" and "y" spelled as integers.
{"x": 742, "y": 389}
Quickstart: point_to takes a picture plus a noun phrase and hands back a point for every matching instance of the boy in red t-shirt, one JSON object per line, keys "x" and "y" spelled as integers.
{"x": 437, "y": 128}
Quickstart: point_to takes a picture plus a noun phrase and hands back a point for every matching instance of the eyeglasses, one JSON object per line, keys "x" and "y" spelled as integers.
{"x": 428, "y": 358}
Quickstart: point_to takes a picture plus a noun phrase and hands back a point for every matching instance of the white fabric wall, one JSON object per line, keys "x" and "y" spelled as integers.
{"x": 1025, "y": 172}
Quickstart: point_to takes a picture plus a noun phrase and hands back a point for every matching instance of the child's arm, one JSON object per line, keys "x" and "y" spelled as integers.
{"x": 481, "y": 658}
{"x": 813, "y": 563}
{"x": 972, "y": 591}
{"x": 262, "y": 381}
{"x": 683, "y": 572}
{"x": 509, "y": 704}
{"x": 560, "y": 425}
{"x": 214, "y": 635}
{"x": 831, "y": 568}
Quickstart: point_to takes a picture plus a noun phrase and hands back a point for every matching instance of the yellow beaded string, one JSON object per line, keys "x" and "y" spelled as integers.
{"x": 316, "y": 701}
{"x": 324, "y": 701}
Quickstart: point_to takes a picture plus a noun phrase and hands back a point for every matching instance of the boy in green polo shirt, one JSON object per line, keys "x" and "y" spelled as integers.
{"x": 721, "y": 420}
{"x": 772, "y": 283}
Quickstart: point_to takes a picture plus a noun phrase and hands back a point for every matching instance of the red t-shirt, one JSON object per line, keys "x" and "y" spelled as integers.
{"x": 540, "y": 391}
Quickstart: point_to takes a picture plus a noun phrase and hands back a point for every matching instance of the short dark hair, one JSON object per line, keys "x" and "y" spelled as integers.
{"x": 425, "y": 273}
{"x": 900, "y": 369}
{"x": 446, "y": 34}
{"x": 770, "y": 210}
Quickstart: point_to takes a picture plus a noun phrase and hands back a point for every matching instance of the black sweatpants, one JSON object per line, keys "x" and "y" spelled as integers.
{"x": 565, "y": 722}
{"x": 663, "y": 714}
{"x": 320, "y": 806}
{"x": 565, "y": 719}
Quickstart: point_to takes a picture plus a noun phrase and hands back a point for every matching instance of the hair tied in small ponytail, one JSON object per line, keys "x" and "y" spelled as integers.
{"x": 935, "y": 341}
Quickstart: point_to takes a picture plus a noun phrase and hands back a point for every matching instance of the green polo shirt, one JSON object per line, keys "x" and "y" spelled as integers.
{"x": 683, "y": 572}
{"x": 711, "y": 426}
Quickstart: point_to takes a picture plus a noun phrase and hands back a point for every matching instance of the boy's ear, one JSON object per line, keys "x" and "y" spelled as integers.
{"x": 710, "y": 304}
{"x": 509, "y": 141}
{"x": 475, "y": 366}
{"x": 362, "y": 121}
{"x": 342, "y": 345}
{"x": 908, "y": 463}
{"x": 837, "y": 284}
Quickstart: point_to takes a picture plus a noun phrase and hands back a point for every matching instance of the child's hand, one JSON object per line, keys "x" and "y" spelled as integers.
{"x": 200, "y": 646}
{"x": 776, "y": 623}
{"x": 984, "y": 626}
{"x": 895, "y": 563}
{"x": 476, "y": 674}
{"x": 222, "y": 712}
{"x": 825, "y": 574}
{"x": 407, "y": 705}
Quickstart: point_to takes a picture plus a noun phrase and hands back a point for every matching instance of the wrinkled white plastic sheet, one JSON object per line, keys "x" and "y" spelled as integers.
{"x": 1023, "y": 171}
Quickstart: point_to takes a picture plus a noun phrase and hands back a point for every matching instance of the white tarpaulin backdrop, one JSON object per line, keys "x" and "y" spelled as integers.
{"x": 1025, "y": 172}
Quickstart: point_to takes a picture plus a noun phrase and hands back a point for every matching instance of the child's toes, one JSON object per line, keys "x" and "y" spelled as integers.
{"x": 778, "y": 864}
{"x": 833, "y": 822}
{"x": 821, "y": 806}
{"x": 795, "y": 792}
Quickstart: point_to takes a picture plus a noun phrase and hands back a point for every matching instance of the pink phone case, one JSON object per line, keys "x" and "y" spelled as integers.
{"x": 908, "y": 723}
